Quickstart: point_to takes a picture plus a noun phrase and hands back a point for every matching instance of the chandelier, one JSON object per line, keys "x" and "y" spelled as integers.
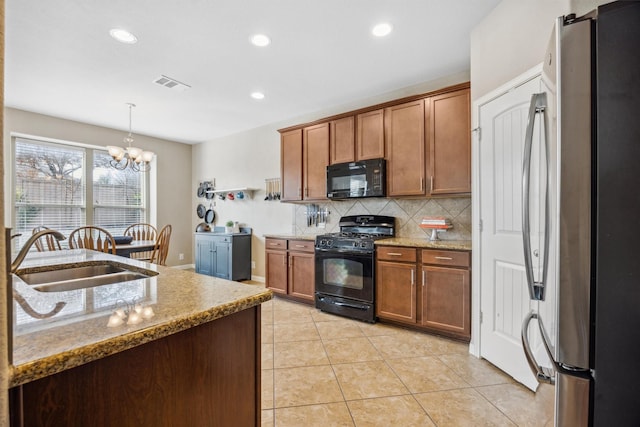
{"x": 135, "y": 158}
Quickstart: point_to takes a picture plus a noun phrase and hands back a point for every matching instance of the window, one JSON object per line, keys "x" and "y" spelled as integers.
{"x": 52, "y": 186}
{"x": 117, "y": 195}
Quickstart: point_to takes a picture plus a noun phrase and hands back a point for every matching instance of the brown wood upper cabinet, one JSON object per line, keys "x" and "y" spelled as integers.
{"x": 426, "y": 140}
{"x": 405, "y": 146}
{"x": 370, "y": 135}
{"x": 449, "y": 142}
{"x": 342, "y": 140}
{"x": 291, "y": 165}
{"x": 315, "y": 155}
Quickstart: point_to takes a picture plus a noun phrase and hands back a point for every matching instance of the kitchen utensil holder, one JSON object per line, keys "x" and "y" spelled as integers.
{"x": 272, "y": 189}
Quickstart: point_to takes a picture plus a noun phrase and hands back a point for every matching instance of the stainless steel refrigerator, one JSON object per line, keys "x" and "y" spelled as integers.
{"x": 581, "y": 218}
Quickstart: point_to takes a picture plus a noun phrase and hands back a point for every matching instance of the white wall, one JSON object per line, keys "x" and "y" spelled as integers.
{"x": 511, "y": 40}
{"x": 248, "y": 158}
{"x": 172, "y": 169}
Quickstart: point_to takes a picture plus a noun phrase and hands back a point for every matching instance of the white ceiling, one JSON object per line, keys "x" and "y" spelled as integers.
{"x": 61, "y": 61}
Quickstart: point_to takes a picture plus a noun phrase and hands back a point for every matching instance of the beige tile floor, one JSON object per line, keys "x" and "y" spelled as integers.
{"x": 325, "y": 370}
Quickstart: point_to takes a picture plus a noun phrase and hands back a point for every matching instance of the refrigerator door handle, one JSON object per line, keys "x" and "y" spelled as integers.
{"x": 536, "y": 289}
{"x": 543, "y": 375}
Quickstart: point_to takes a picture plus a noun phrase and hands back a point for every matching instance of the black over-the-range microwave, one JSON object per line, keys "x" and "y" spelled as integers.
{"x": 365, "y": 178}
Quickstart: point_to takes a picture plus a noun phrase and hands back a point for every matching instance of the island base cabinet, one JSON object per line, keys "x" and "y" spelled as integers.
{"x": 208, "y": 375}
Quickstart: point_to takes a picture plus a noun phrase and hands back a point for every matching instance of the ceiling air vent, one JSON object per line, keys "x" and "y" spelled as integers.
{"x": 170, "y": 83}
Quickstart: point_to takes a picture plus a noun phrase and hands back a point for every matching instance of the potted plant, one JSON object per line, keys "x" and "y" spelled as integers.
{"x": 228, "y": 227}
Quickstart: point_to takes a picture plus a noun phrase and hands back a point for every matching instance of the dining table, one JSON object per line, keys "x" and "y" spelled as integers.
{"x": 126, "y": 249}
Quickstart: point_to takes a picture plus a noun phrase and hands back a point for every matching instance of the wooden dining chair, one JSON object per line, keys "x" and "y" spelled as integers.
{"x": 142, "y": 231}
{"x": 161, "y": 249}
{"x": 47, "y": 242}
{"x": 92, "y": 237}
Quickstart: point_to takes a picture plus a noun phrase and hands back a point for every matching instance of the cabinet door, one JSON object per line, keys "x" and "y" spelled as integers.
{"x": 396, "y": 291}
{"x": 276, "y": 271}
{"x": 370, "y": 135}
{"x": 302, "y": 275}
{"x": 449, "y": 143}
{"x": 342, "y": 143}
{"x": 404, "y": 132}
{"x": 221, "y": 261}
{"x": 291, "y": 164}
{"x": 204, "y": 255}
{"x": 446, "y": 300}
{"x": 315, "y": 152}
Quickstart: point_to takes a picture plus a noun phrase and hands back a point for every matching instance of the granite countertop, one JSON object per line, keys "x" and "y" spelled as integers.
{"x": 461, "y": 245}
{"x": 79, "y": 334}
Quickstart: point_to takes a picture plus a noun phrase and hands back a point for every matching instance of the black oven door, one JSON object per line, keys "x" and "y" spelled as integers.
{"x": 345, "y": 274}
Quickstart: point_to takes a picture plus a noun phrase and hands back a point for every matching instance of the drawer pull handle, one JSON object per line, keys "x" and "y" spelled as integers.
{"x": 274, "y": 244}
{"x": 394, "y": 254}
{"x": 445, "y": 258}
{"x": 301, "y": 246}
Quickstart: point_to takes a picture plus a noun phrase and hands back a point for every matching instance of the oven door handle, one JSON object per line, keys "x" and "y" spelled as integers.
{"x": 344, "y": 251}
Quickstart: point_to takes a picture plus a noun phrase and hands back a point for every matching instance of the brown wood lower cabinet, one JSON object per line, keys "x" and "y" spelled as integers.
{"x": 437, "y": 299}
{"x": 290, "y": 268}
{"x": 208, "y": 375}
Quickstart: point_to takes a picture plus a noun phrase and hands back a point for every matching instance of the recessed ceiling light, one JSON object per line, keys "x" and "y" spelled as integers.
{"x": 123, "y": 36}
{"x": 381, "y": 29}
{"x": 257, "y": 95}
{"x": 260, "y": 40}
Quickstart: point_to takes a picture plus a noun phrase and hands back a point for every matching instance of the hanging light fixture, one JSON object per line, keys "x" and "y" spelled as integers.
{"x": 135, "y": 158}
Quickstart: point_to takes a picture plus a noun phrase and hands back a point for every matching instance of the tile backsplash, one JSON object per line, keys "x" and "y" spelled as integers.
{"x": 408, "y": 214}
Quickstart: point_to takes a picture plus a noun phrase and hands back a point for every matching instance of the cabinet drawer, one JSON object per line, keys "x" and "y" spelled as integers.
{"x": 394, "y": 253}
{"x": 275, "y": 244}
{"x": 301, "y": 245}
{"x": 455, "y": 258}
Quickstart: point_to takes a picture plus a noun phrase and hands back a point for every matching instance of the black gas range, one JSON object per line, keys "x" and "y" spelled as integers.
{"x": 345, "y": 266}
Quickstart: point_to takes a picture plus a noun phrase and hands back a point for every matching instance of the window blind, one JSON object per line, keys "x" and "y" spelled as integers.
{"x": 118, "y": 195}
{"x": 49, "y": 187}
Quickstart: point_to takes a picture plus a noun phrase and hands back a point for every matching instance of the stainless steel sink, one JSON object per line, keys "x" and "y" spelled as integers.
{"x": 88, "y": 276}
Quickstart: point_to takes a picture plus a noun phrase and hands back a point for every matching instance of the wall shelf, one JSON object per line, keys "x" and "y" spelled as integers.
{"x": 247, "y": 191}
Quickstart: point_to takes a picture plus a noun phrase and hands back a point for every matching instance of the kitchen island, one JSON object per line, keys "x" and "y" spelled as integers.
{"x": 195, "y": 361}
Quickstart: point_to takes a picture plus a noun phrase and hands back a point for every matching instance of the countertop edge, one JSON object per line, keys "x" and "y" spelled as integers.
{"x": 416, "y": 242}
{"x": 461, "y": 245}
{"x": 290, "y": 236}
{"x": 41, "y": 368}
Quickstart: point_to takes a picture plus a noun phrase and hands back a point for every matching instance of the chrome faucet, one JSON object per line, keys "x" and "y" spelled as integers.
{"x": 25, "y": 249}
